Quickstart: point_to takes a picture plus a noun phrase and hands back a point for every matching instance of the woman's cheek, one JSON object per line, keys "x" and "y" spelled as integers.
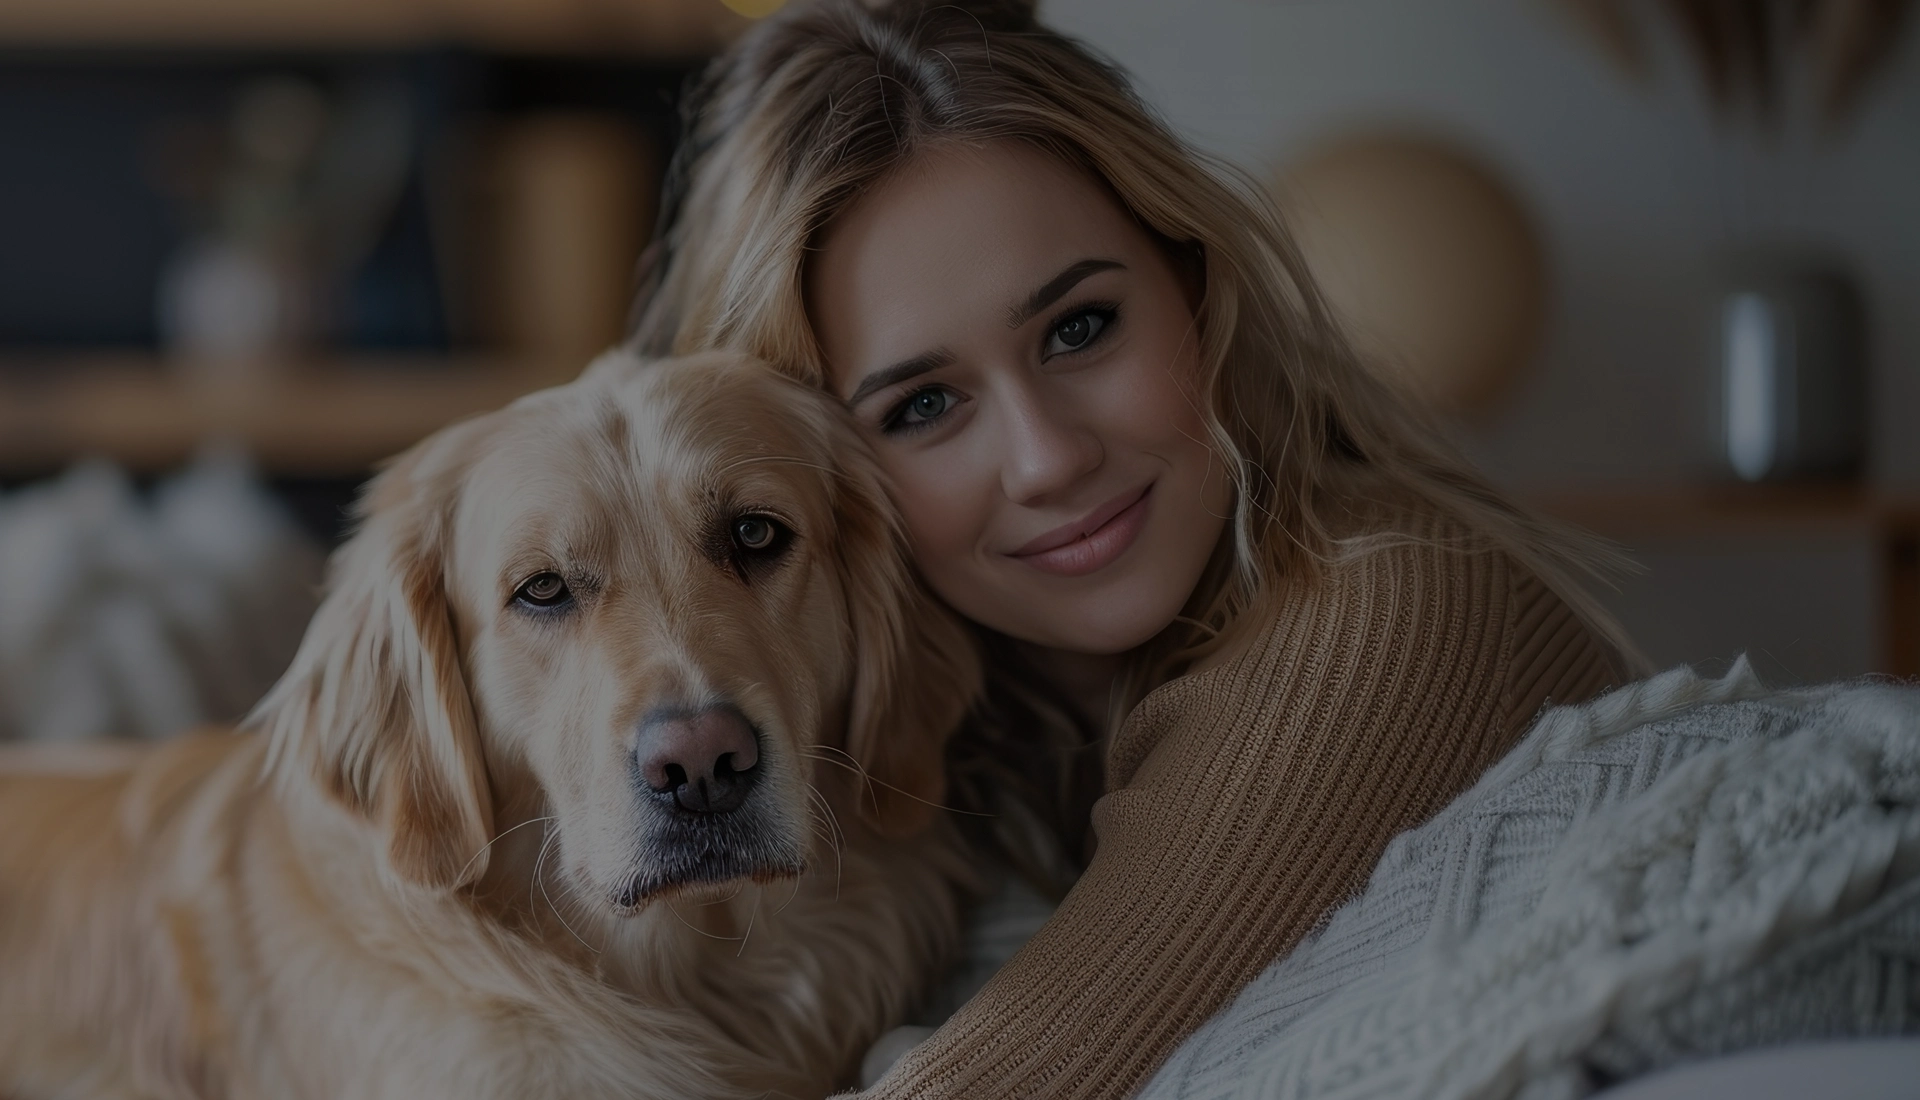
{"x": 940, "y": 509}
{"x": 1148, "y": 403}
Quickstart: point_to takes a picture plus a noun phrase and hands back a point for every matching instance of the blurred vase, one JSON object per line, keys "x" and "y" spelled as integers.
{"x": 1791, "y": 344}
{"x": 223, "y": 304}
{"x": 573, "y": 200}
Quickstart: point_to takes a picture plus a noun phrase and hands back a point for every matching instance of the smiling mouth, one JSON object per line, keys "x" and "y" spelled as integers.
{"x": 1094, "y": 541}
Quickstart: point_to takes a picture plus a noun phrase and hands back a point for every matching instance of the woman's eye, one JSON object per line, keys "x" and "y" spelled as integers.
{"x": 758, "y": 534}
{"x": 928, "y": 404}
{"x": 922, "y": 407}
{"x": 1077, "y": 331}
{"x": 543, "y": 590}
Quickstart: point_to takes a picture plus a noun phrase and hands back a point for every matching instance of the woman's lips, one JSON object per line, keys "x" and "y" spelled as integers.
{"x": 1090, "y": 543}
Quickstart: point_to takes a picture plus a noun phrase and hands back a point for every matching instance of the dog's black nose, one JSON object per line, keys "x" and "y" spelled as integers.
{"x": 704, "y": 760}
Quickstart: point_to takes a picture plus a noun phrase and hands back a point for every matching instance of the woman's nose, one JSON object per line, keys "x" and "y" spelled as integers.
{"x": 1047, "y": 452}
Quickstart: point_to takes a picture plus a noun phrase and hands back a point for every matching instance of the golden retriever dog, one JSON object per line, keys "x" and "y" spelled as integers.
{"x": 608, "y": 767}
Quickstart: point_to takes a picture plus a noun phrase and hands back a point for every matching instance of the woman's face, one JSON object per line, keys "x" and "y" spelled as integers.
{"x": 1022, "y": 355}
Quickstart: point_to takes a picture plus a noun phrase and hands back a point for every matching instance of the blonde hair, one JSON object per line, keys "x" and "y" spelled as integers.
{"x": 817, "y": 106}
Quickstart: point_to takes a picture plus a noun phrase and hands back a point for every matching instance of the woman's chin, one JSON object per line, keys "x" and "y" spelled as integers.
{"x": 1096, "y": 624}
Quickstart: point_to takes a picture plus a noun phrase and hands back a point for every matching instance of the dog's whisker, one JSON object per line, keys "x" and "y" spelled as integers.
{"x": 824, "y": 837}
{"x": 484, "y": 848}
{"x": 826, "y": 823}
{"x": 837, "y": 836}
{"x": 791, "y": 894}
{"x": 836, "y": 833}
{"x": 751, "y": 917}
{"x": 818, "y": 830}
{"x": 691, "y": 927}
{"x": 541, "y": 881}
{"x": 866, "y": 776}
{"x": 585, "y": 910}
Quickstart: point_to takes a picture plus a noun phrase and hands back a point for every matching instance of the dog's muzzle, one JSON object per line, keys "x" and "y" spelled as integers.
{"x": 697, "y": 770}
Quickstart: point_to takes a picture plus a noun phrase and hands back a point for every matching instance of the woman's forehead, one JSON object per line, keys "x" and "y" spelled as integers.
{"x": 1000, "y": 207}
{"x": 958, "y": 237}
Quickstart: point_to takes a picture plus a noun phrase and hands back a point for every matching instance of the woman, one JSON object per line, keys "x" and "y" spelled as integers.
{"x": 1128, "y": 442}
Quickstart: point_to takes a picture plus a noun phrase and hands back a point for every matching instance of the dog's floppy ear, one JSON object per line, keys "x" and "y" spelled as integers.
{"x": 375, "y": 707}
{"x": 916, "y": 669}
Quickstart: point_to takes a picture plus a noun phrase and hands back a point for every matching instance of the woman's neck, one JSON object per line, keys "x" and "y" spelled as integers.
{"x": 1085, "y": 680}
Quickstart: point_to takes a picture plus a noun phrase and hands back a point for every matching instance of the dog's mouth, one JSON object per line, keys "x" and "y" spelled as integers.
{"x": 686, "y": 853}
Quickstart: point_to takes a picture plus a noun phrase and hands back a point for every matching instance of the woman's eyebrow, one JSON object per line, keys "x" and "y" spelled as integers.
{"x": 898, "y": 373}
{"x": 1056, "y": 288}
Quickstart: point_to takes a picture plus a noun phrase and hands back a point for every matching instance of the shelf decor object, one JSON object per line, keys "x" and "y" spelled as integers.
{"x": 1792, "y": 376}
{"x": 1745, "y": 50}
{"x": 1429, "y": 259}
{"x": 1789, "y": 331}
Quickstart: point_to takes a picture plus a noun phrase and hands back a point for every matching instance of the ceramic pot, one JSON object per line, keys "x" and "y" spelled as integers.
{"x": 1791, "y": 343}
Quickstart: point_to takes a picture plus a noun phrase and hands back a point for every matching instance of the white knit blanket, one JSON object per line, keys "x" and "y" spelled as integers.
{"x": 1681, "y": 868}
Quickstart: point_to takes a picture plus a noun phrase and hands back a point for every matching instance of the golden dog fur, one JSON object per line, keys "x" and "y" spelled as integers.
{"x": 423, "y": 867}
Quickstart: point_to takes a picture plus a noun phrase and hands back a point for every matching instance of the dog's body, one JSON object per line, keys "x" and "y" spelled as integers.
{"x": 171, "y": 934}
{"x": 445, "y": 864}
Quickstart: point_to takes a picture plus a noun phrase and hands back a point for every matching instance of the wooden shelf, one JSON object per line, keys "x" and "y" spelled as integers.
{"x": 657, "y": 28}
{"x": 333, "y": 418}
{"x": 1733, "y": 513}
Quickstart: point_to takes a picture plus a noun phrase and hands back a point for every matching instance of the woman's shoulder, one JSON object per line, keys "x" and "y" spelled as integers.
{"x": 1398, "y": 612}
{"x": 1396, "y": 575}
{"x": 1414, "y": 612}
{"x": 1410, "y": 561}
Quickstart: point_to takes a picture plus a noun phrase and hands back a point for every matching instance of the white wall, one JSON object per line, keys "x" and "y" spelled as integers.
{"x": 1639, "y": 196}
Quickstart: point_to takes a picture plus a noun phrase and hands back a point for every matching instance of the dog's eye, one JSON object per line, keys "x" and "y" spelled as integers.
{"x": 759, "y": 534}
{"x": 543, "y": 590}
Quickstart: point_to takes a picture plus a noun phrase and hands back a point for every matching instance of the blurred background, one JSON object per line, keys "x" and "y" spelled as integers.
{"x": 1655, "y": 259}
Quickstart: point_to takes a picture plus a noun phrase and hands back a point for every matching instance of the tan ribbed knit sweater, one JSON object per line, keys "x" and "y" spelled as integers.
{"x": 1246, "y": 801}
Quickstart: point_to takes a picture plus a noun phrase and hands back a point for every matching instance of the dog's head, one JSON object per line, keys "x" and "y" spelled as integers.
{"x": 665, "y": 595}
